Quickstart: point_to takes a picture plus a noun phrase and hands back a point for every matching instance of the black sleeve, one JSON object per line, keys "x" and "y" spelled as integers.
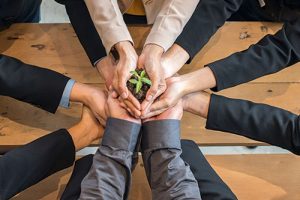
{"x": 205, "y": 21}
{"x": 85, "y": 29}
{"x": 210, "y": 184}
{"x": 27, "y": 165}
{"x": 31, "y": 84}
{"x": 256, "y": 121}
{"x": 271, "y": 54}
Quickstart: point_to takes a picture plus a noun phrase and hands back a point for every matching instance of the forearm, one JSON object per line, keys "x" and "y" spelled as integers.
{"x": 86, "y": 32}
{"x": 204, "y": 78}
{"x": 31, "y": 84}
{"x": 169, "y": 177}
{"x": 205, "y": 21}
{"x": 29, "y": 164}
{"x": 271, "y": 54}
{"x": 256, "y": 121}
{"x": 109, "y": 22}
{"x": 170, "y": 21}
{"x": 110, "y": 175}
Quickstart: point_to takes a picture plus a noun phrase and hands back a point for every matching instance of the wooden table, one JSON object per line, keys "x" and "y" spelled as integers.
{"x": 55, "y": 46}
{"x": 259, "y": 177}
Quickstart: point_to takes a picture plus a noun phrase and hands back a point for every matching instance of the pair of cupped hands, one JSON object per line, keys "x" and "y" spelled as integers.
{"x": 159, "y": 67}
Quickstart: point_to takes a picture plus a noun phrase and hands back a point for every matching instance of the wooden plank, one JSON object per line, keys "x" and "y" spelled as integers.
{"x": 53, "y": 46}
{"x": 56, "y": 46}
{"x": 17, "y": 128}
{"x": 259, "y": 177}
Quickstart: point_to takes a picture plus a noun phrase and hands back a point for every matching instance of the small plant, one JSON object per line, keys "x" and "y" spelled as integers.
{"x": 139, "y": 84}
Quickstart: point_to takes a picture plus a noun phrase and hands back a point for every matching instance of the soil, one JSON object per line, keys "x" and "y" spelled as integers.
{"x": 141, "y": 95}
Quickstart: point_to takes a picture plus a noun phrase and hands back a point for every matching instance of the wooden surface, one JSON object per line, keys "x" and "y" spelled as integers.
{"x": 259, "y": 177}
{"x": 55, "y": 46}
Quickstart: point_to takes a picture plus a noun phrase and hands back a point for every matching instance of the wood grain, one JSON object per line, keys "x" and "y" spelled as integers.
{"x": 61, "y": 51}
{"x": 259, "y": 177}
{"x": 17, "y": 128}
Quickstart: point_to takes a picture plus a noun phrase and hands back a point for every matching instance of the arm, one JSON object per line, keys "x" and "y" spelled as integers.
{"x": 110, "y": 174}
{"x": 86, "y": 32}
{"x": 168, "y": 175}
{"x": 271, "y": 54}
{"x": 31, "y": 84}
{"x": 256, "y": 121}
{"x": 211, "y": 186}
{"x": 170, "y": 21}
{"x": 25, "y": 166}
{"x": 205, "y": 21}
{"x": 109, "y": 22}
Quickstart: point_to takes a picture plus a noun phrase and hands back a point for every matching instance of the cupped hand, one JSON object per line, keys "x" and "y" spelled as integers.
{"x": 115, "y": 110}
{"x": 106, "y": 68}
{"x": 174, "y": 112}
{"x": 175, "y": 91}
{"x": 150, "y": 60}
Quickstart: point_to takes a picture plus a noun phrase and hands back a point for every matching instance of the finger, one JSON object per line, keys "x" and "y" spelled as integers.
{"x": 159, "y": 105}
{"x": 122, "y": 86}
{"x": 134, "y": 111}
{"x": 146, "y": 104}
{"x": 154, "y": 113}
{"x": 134, "y": 101}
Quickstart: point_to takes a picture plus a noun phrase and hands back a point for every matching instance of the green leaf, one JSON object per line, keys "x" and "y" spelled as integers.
{"x": 138, "y": 86}
{"x": 146, "y": 80}
{"x": 133, "y": 81}
{"x": 143, "y": 74}
{"x": 135, "y": 73}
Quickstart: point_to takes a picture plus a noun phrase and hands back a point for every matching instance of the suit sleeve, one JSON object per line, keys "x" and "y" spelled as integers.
{"x": 38, "y": 86}
{"x": 31, "y": 163}
{"x": 205, "y": 21}
{"x": 256, "y": 121}
{"x": 110, "y": 174}
{"x": 86, "y": 32}
{"x": 109, "y": 22}
{"x": 171, "y": 19}
{"x": 168, "y": 175}
{"x": 211, "y": 186}
{"x": 271, "y": 54}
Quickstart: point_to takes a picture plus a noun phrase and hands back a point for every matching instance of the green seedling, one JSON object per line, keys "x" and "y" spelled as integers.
{"x": 140, "y": 79}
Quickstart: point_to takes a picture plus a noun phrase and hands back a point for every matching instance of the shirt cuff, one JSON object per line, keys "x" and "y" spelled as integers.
{"x": 161, "y": 134}
{"x": 121, "y": 134}
{"x": 65, "y": 99}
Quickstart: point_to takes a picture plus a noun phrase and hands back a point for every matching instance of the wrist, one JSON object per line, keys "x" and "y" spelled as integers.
{"x": 123, "y": 46}
{"x": 82, "y": 93}
{"x": 197, "y": 103}
{"x": 153, "y": 50}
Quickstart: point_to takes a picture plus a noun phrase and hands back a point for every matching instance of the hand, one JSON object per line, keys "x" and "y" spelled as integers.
{"x": 175, "y": 91}
{"x": 174, "y": 112}
{"x": 86, "y": 131}
{"x": 106, "y": 68}
{"x": 126, "y": 63}
{"x": 114, "y": 109}
{"x": 150, "y": 60}
{"x": 197, "y": 103}
{"x": 93, "y": 97}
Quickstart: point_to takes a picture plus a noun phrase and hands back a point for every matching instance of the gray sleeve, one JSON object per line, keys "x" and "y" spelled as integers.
{"x": 110, "y": 174}
{"x": 168, "y": 175}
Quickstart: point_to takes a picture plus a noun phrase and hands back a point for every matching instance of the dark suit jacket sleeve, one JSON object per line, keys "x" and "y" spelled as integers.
{"x": 205, "y": 21}
{"x": 271, "y": 54}
{"x": 31, "y": 84}
{"x": 85, "y": 29}
{"x": 27, "y": 165}
{"x": 256, "y": 121}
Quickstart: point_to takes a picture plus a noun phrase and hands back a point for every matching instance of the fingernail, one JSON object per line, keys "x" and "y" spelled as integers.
{"x": 149, "y": 98}
{"x": 124, "y": 95}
